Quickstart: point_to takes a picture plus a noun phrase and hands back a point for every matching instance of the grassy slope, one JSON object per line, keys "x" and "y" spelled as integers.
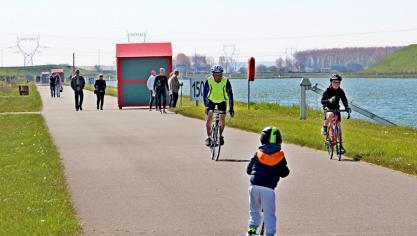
{"x": 109, "y": 90}
{"x": 11, "y": 101}
{"x": 33, "y": 194}
{"x": 368, "y": 141}
{"x": 402, "y": 61}
{"x": 34, "y": 199}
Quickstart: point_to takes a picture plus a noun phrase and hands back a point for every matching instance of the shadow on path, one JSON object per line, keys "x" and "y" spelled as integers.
{"x": 233, "y": 160}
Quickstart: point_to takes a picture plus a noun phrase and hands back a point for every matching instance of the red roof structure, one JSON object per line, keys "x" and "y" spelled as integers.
{"x": 134, "y": 63}
{"x": 57, "y": 71}
{"x": 143, "y": 50}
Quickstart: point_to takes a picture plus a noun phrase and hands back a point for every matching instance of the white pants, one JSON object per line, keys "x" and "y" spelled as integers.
{"x": 262, "y": 198}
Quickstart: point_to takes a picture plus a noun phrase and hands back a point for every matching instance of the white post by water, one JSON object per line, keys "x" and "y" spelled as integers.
{"x": 304, "y": 85}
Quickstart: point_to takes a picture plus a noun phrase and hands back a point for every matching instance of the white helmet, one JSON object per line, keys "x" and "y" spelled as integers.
{"x": 217, "y": 69}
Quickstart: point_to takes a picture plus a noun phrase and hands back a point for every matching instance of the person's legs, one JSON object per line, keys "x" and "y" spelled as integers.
{"x": 98, "y": 100}
{"x": 175, "y": 99}
{"x": 222, "y": 123}
{"x": 51, "y": 87}
{"x": 164, "y": 101}
{"x": 267, "y": 196}
{"x": 81, "y": 99}
{"x": 102, "y": 101}
{"x": 329, "y": 118}
{"x": 222, "y": 107}
{"x": 151, "y": 99}
{"x": 170, "y": 100}
{"x": 255, "y": 207}
{"x": 209, "y": 118}
{"x": 342, "y": 148}
{"x": 158, "y": 100}
{"x": 327, "y": 122}
{"x": 77, "y": 97}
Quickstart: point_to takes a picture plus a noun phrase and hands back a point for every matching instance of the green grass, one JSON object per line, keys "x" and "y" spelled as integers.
{"x": 394, "y": 147}
{"x": 37, "y": 70}
{"x": 11, "y": 101}
{"x": 403, "y": 61}
{"x": 34, "y": 199}
{"x": 109, "y": 90}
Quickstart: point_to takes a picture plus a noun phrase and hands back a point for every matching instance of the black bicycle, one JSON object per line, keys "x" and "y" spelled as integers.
{"x": 215, "y": 135}
{"x": 333, "y": 137}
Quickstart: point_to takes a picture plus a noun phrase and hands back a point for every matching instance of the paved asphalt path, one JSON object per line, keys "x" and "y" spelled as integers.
{"x": 139, "y": 172}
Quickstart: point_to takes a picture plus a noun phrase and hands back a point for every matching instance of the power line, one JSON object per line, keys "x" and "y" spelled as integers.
{"x": 241, "y": 38}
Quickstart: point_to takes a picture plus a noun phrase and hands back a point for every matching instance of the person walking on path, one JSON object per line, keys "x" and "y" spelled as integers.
{"x": 100, "y": 91}
{"x": 58, "y": 85}
{"x": 52, "y": 84}
{"x": 174, "y": 87}
{"x": 265, "y": 168}
{"x": 160, "y": 87}
{"x": 150, "y": 83}
{"x": 78, "y": 84}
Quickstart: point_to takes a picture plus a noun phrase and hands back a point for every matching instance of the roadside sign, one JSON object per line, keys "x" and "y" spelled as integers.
{"x": 197, "y": 88}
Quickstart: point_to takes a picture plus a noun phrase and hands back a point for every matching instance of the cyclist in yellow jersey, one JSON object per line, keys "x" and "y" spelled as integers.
{"x": 217, "y": 91}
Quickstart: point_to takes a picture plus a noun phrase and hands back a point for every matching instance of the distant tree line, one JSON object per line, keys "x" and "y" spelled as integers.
{"x": 321, "y": 60}
{"x": 341, "y": 59}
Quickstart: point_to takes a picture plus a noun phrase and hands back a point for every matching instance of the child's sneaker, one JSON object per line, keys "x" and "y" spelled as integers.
{"x": 251, "y": 231}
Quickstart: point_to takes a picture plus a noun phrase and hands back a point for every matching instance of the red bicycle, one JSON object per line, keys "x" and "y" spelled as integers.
{"x": 333, "y": 137}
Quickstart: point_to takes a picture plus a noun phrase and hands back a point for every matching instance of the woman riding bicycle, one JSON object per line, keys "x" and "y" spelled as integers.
{"x": 330, "y": 100}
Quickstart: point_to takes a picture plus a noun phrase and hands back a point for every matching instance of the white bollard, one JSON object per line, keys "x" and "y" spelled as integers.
{"x": 304, "y": 85}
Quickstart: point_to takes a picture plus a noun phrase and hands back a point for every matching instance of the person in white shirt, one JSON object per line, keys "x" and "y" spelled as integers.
{"x": 149, "y": 84}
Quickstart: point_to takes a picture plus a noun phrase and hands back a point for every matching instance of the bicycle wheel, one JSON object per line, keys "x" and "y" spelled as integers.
{"x": 329, "y": 147}
{"x": 217, "y": 143}
{"x": 338, "y": 143}
{"x": 213, "y": 142}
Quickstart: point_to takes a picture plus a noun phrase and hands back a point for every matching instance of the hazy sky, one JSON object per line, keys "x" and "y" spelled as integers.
{"x": 265, "y": 29}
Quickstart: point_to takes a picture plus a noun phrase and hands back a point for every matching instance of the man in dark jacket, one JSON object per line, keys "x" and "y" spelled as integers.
{"x": 78, "y": 84}
{"x": 160, "y": 86}
{"x": 265, "y": 168}
{"x": 100, "y": 91}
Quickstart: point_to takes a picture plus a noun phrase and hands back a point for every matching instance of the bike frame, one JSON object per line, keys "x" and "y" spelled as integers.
{"x": 215, "y": 135}
{"x": 334, "y": 134}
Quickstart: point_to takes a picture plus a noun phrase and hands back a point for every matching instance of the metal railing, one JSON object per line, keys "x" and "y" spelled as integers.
{"x": 306, "y": 85}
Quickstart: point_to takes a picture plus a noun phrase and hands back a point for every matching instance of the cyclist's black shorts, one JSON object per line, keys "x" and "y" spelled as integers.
{"x": 220, "y": 106}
